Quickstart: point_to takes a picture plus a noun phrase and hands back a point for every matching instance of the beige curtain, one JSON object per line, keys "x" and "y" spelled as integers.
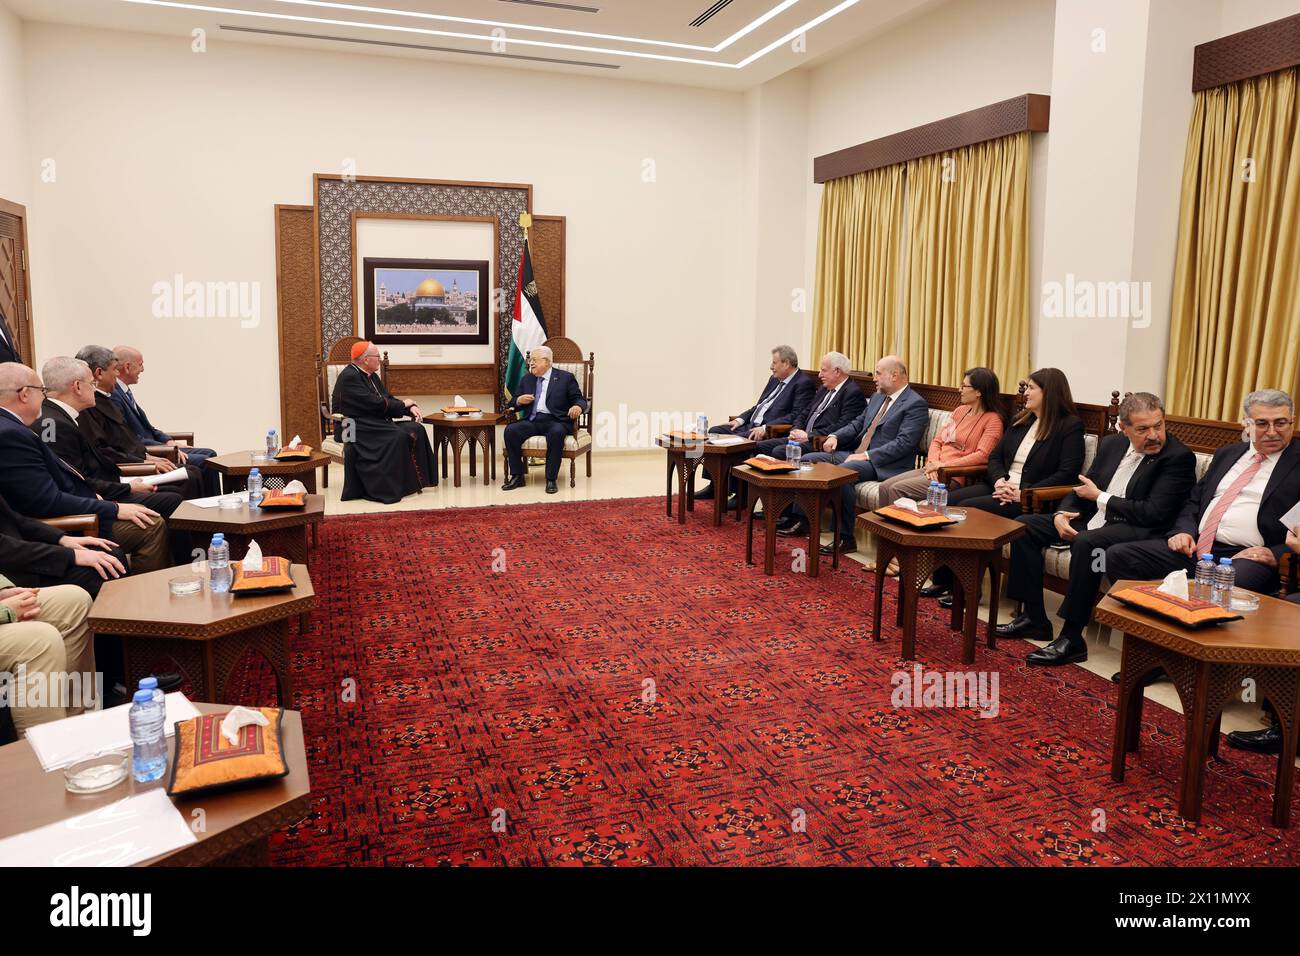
{"x": 966, "y": 288}
{"x": 855, "y": 307}
{"x": 1235, "y": 323}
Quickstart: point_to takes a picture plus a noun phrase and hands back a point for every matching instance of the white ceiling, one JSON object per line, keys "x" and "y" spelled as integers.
{"x": 631, "y": 39}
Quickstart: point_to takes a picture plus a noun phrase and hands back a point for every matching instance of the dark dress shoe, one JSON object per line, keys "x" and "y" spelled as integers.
{"x": 169, "y": 682}
{"x": 933, "y": 590}
{"x": 1257, "y": 741}
{"x": 796, "y": 529}
{"x": 1154, "y": 677}
{"x": 1063, "y": 650}
{"x": 732, "y": 502}
{"x": 513, "y": 483}
{"x": 1022, "y": 625}
{"x": 946, "y": 602}
{"x": 704, "y": 494}
{"x": 550, "y": 488}
{"x": 846, "y": 547}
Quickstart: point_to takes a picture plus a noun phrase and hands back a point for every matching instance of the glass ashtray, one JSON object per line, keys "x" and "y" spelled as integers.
{"x": 1243, "y": 600}
{"x": 475, "y": 415}
{"x": 230, "y": 502}
{"x": 185, "y": 585}
{"x": 451, "y": 414}
{"x": 97, "y": 773}
{"x": 957, "y": 513}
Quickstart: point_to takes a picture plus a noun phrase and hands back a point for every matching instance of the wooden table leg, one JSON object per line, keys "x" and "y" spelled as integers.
{"x": 683, "y": 492}
{"x": 994, "y": 586}
{"x": 971, "y": 618}
{"x": 668, "y": 497}
{"x": 492, "y": 451}
{"x": 837, "y": 513}
{"x": 1289, "y": 724}
{"x": 882, "y": 561}
{"x": 443, "y": 439}
{"x": 1194, "y": 745}
{"x": 814, "y": 513}
{"x": 720, "y": 494}
{"x": 473, "y": 440}
{"x": 749, "y": 531}
{"x": 907, "y": 602}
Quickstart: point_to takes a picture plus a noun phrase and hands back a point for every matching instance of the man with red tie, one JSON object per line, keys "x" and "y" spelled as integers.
{"x": 1235, "y": 511}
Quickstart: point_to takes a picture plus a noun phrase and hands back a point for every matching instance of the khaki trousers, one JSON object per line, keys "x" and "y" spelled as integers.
{"x": 146, "y": 547}
{"x": 51, "y": 645}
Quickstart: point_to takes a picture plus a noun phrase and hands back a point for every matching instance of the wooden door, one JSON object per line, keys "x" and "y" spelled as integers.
{"x": 15, "y": 286}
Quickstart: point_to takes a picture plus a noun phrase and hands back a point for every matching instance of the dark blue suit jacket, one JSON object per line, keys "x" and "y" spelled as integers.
{"x": 137, "y": 420}
{"x": 792, "y": 403}
{"x": 847, "y": 405}
{"x": 37, "y": 484}
{"x": 897, "y": 440}
{"x": 561, "y": 394}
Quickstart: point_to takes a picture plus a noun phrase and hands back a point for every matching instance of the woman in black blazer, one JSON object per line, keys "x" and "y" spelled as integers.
{"x": 1054, "y": 456}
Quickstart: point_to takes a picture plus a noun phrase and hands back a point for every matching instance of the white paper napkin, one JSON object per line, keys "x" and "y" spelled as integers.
{"x": 253, "y": 557}
{"x": 459, "y": 401}
{"x": 295, "y": 487}
{"x": 1175, "y": 585}
{"x": 297, "y": 440}
{"x": 907, "y": 504}
{"x": 241, "y": 717}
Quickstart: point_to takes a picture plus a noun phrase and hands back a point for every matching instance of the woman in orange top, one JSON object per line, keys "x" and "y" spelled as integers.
{"x": 968, "y": 438}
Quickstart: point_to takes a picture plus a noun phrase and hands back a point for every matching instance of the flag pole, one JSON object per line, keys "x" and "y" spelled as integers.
{"x": 525, "y": 223}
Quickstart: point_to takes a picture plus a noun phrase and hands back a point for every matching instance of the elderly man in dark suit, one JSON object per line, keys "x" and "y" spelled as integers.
{"x": 549, "y": 400}
{"x": 106, "y": 428}
{"x": 34, "y": 554}
{"x": 834, "y": 406}
{"x": 39, "y": 484}
{"x": 1134, "y": 490}
{"x": 881, "y": 442}
{"x": 786, "y": 396}
{"x": 130, "y": 368}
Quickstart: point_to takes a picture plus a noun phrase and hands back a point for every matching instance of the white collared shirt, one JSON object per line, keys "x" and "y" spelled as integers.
{"x": 72, "y": 412}
{"x": 825, "y": 404}
{"x": 1240, "y": 523}
{"x": 541, "y": 396}
{"x": 764, "y": 405}
{"x": 1124, "y": 471}
{"x": 1022, "y": 454}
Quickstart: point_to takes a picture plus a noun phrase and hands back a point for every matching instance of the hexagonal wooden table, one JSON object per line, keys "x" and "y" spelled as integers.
{"x": 685, "y": 455}
{"x": 1207, "y": 666}
{"x": 811, "y": 489}
{"x": 280, "y": 532}
{"x": 235, "y": 466}
{"x": 969, "y": 549}
{"x": 206, "y": 634}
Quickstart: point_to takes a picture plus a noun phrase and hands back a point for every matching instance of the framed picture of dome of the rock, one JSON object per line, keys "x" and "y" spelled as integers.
{"x": 426, "y": 301}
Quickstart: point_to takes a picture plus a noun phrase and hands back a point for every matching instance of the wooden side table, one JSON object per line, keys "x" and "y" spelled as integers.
{"x": 684, "y": 456}
{"x": 234, "y": 469}
{"x": 1207, "y": 667}
{"x": 206, "y": 634}
{"x": 458, "y": 432}
{"x": 282, "y": 533}
{"x": 237, "y": 823}
{"x": 811, "y": 490}
{"x": 969, "y": 549}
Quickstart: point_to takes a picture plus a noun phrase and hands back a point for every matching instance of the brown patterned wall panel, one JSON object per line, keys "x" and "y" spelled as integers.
{"x": 1027, "y": 112}
{"x": 547, "y": 241}
{"x": 1254, "y": 52}
{"x": 295, "y": 294}
{"x": 442, "y": 379}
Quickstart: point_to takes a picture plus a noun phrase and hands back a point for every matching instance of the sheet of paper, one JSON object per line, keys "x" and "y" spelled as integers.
{"x": 215, "y": 500}
{"x": 62, "y": 742}
{"x": 176, "y": 474}
{"x": 1292, "y": 517}
{"x": 119, "y": 834}
{"x": 726, "y": 439}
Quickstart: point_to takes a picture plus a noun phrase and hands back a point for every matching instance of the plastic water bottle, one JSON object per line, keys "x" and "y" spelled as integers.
{"x": 930, "y": 497}
{"x": 1225, "y": 577}
{"x": 219, "y": 564}
{"x": 255, "y": 488}
{"x": 793, "y": 452}
{"x": 272, "y": 443}
{"x": 1205, "y": 577}
{"x": 941, "y": 498}
{"x": 702, "y": 425}
{"x": 148, "y": 738}
{"x": 151, "y": 684}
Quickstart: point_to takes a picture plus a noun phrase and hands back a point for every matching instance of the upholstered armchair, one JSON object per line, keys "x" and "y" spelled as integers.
{"x": 565, "y": 354}
{"x": 327, "y": 372}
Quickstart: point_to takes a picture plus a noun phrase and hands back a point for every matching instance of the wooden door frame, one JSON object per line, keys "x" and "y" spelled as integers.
{"x": 20, "y": 213}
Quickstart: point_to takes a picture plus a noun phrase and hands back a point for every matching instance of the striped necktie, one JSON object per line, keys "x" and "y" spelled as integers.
{"x": 1205, "y": 542}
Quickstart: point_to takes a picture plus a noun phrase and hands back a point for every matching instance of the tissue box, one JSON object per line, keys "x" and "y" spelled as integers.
{"x": 460, "y": 409}
{"x": 923, "y": 520}
{"x": 278, "y": 499}
{"x": 202, "y": 759}
{"x": 273, "y": 577}
{"x": 289, "y": 454}
{"x": 768, "y": 465}
{"x": 1191, "y": 613}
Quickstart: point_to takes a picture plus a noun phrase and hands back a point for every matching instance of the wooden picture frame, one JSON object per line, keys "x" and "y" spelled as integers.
{"x": 454, "y": 295}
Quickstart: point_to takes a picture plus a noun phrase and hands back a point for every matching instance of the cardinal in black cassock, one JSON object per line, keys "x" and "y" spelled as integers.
{"x": 383, "y": 460}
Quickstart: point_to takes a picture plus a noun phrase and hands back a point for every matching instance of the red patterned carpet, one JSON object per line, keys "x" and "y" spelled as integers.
{"x": 507, "y": 718}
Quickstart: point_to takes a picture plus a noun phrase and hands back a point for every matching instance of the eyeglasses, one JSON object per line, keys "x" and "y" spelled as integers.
{"x": 43, "y": 389}
{"x": 1279, "y": 424}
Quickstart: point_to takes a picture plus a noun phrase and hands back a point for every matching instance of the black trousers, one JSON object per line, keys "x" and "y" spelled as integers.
{"x": 555, "y": 431}
{"x": 1087, "y": 566}
{"x": 978, "y": 495}
{"x": 85, "y": 578}
{"x": 1145, "y": 560}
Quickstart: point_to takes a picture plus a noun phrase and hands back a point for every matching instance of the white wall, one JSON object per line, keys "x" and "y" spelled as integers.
{"x": 170, "y": 162}
{"x": 958, "y": 57}
{"x": 14, "y": 172}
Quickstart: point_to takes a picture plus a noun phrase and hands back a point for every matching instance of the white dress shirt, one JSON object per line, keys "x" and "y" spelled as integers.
{"x": 72, "y": 412}
{"x": 764, "y": 405}
{"x": 1240, "y": 523}
{"x": 541, "y": 396}
{"x": 1124, "y": 472}
{"x": 825, "y": 404}
{"x": 1022, "y": 454}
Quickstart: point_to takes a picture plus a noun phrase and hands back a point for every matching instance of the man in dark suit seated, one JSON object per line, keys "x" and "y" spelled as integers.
{"x": 34, "y": 554}
{"x": 835, "y": 405}
{"x": 130, "y": 368}
{"x": 106, "y": 429}
{"x": 549, "y": 400}
{"x": 383, "y": 460}
{"x": 39, "y": 484}
{"x": 881, "y": 442}
{"x": 786, "y": 396}
{"x": 8, "y": 344}
{"x": 1133, "y": 491}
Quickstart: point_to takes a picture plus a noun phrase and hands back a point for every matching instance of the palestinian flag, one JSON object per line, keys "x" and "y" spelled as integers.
{"x": 528, "y": 330}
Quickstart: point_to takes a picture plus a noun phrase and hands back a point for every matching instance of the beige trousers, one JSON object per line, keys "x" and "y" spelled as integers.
{"x": 56, "y": 642}
{"x": 910, "y": 484}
